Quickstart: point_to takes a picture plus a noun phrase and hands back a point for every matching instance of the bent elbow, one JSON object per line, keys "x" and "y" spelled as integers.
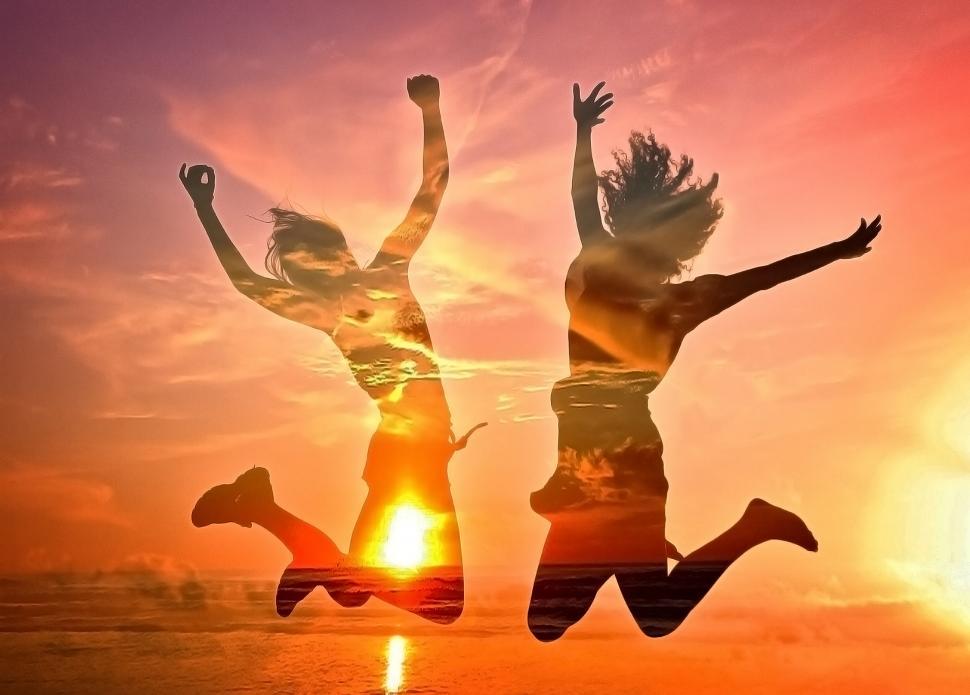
{"x": 245, "y": 285}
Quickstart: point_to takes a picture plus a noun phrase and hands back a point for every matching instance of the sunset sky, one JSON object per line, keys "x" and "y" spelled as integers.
{"x": 133, "y": 376}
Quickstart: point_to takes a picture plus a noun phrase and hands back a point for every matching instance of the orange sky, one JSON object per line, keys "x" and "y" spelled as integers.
{"x": 134, "y": 377}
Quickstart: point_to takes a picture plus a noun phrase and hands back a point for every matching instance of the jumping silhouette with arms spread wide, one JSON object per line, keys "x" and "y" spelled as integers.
{"x": 606, "y": 500}
{"x": 405, "y": 547}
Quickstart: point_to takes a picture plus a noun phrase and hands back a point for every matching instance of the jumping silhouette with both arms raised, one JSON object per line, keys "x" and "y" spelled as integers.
{"x": 606, "y": 500}
{"x": 405, "y": 547}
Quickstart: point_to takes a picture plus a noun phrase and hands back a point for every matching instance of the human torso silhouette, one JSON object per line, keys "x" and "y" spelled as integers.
{"x": 623, "y": 338}
{"x": 621, "y": 327}
{"x": 375, "y": 321}
{"x": 627, "y": 321}
{"x": 383, "y": 333}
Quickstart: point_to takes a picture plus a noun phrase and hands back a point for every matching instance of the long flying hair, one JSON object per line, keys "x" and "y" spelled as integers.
{"x": 652, "y": 205}
{"x": 303, "y": 243}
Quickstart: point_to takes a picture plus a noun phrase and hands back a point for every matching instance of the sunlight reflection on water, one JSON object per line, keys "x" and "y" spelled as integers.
{"x": 397, "y": 647}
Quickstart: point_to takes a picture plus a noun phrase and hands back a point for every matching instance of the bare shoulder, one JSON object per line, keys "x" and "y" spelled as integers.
{"x": 691, "y": 299}
{"x": 702, "y": 284}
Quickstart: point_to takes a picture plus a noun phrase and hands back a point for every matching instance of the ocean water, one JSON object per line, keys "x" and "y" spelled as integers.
{"x": 147, "y": 633}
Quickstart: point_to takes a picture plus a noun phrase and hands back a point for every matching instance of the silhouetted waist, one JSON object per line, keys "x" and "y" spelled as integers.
{"x": 399, "y": 453}
{"x": 603, "y": 390}
{"x": 610, "y": 451}
{"x": 626, "y": 475}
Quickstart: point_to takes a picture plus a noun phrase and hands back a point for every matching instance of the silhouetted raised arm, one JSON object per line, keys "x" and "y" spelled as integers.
{"x": 401, "y": 244}
{"x": 585, "y": 186}
{"x": 709, "y": 295}
{"x": 275, "y": 295}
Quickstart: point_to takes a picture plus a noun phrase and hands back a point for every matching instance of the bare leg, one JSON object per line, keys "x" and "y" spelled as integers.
{"x": 249, "y": 500}
{"x": 316, "y": 559}
{"x": 435, "y": 591}
{"x": 310, "y": 546}
{"x": 660, "y": 603}
{"x": 565, "y": 585}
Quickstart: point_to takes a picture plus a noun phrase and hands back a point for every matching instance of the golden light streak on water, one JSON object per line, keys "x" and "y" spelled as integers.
{"x": 397, "y": 648}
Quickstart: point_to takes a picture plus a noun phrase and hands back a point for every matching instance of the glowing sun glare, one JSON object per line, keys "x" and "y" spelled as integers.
{"x": 923, "y": 535}
{"x": 405, "y": 547}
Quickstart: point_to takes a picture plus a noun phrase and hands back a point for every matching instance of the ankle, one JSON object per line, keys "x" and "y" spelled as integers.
{"x": 265, "y": 513}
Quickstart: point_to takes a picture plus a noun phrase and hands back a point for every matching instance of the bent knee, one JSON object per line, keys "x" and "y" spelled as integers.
{"x": 546, "y": 628}
{"x": 349, "y": 599}
{"x": 544, "y": 633}
{"x": 655, "y": 629}
{"x": 442, "y": 615}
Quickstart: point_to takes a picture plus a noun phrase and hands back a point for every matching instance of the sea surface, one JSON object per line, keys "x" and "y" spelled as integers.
{"x": 147, "y": 632}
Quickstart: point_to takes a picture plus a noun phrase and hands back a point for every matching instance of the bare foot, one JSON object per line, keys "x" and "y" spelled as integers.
{"x": 774, "y": 523}
{"x": 235, "y": 502}
{"x": 672, "y": 552}
{"x": 255, "y": 489}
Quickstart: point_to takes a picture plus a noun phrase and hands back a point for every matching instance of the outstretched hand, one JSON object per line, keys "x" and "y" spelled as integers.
{"x": 858, "y": 244}
{"x": 200, "y": 191}
{"x": 588, "y": 111}
{"x": 424, "y": 90}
